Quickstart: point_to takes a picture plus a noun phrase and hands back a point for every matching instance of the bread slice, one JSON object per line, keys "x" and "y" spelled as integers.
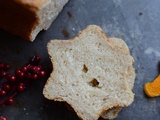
{"x": 89, "y": 73}
{"x": 118, "y": 43}
{"x": 26, "y": 18}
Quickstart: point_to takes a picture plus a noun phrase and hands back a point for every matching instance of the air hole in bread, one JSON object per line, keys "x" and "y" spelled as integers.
{"x": 99, "y": 44}
{"x": 94, "y": 82}
{"x": 104, "y": 99}
{"x": 85, "y": 69}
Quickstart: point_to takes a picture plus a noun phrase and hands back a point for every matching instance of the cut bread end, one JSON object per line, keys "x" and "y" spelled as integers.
{"x": 31, "y": 16}
{"x": 47, "y": 14}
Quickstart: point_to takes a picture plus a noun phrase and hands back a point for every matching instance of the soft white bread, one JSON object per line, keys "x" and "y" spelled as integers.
{"x": 89, "y": 73}
{"x": 26, "y": 18}
{"x": 118, "y": 43}
{"x": 113, "y": 112}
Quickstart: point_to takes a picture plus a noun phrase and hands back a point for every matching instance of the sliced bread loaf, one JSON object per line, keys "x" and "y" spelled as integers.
{"x": 89, "y": 73}
{"x": 26, "y": 18}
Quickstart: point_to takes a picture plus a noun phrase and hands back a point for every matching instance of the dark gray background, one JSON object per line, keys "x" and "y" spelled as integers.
{"x": 135, "y": 21}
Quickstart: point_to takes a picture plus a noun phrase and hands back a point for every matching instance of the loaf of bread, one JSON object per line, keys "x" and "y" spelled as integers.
{"x": 26, "y": 18}
{"x": 91, "y": 73}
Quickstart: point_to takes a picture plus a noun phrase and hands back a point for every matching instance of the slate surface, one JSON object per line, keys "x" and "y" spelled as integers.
{"x": 135, "y": 21}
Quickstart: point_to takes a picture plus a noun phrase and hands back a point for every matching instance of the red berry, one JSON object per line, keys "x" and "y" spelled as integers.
{"x": 19, "y": 73}
{"x": 30, "y": 68}
{"x": 42, "y": 73}
{"x": 33, "y": 69}
{"x": 6, "y": 87}
{"x": 39, "y": 68}
{"x": 3, "y": 118}
{"x": 16, "y": 83}
{"x": 20, "y": 87}
{"x": 2, "y": 93}
{"x": 35, "y": 77}
{"x": 11, "y": 78}
{"x": 2, "y": 73}
{"x": 7, "y": 67}
{"x": 24, "y": 69}
{"x": 9, "y": 101}
{"x": 35, "y": 60}
{"x": 28, "y": 76}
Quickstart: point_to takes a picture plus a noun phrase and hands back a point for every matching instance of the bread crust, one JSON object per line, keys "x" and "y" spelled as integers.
{"x": 31, "y": 4}
{"x": 17, "y": 19}
{"x": 26, "y": 18}
{"x": 48, "y": 87}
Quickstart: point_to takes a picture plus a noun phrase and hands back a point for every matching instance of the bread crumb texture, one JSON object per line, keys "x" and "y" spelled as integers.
{"x": 90, "y": 73}
{"x": 113, "y": 112}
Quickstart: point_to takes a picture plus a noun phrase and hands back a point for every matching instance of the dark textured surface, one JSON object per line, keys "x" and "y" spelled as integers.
{"x": 135, "y": 21}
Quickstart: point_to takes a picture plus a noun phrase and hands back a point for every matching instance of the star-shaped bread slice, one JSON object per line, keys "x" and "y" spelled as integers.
{"x": 89, "y": 73}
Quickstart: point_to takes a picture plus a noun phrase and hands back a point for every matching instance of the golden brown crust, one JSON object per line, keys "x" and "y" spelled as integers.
{"x": 31, "y": 4}
{"x": 24, "y": 20}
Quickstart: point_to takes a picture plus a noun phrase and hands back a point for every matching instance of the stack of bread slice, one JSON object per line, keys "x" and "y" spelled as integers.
{"x": 92, "y": 73}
